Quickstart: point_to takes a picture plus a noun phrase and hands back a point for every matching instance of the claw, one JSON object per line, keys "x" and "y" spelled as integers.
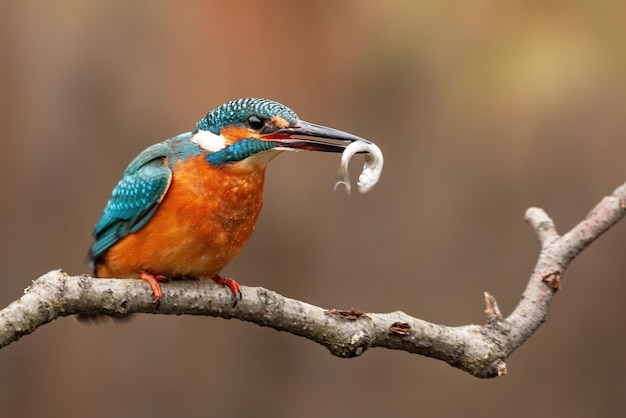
{"x": 232, "y": 285}
{"x": 154, "y": 280}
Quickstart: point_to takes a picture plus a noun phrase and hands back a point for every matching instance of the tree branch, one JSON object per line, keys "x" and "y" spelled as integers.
{"x": 480, "y": 350}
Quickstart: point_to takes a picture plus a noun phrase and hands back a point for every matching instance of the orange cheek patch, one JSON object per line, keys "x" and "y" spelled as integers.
{"x": 279, "y": 122}
{"x": 233, "y": 134}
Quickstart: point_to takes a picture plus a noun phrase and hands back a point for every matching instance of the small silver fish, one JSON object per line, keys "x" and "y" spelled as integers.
{"x": 372, "y": 167}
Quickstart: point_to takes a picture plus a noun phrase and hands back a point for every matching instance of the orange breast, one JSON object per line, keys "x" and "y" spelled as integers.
{"x": 202, "y": 223}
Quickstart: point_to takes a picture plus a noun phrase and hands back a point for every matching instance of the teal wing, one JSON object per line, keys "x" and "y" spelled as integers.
{"x": 134, "y": 200}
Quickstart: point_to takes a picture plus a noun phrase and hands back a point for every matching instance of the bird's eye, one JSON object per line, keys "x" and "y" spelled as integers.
{"x": 255, "y": 122}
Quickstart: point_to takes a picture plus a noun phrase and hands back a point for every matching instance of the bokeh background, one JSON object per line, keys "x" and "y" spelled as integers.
{"x": 482, "y": 109}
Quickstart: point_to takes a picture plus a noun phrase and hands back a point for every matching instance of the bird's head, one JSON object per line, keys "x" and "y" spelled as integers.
{"x": 256, "y": 130}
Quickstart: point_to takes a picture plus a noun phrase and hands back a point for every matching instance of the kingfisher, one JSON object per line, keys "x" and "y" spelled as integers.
{"x": 185, "y": 207}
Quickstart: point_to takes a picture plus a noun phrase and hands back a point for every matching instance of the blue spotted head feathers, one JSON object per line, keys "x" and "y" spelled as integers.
{"x": 237, "y": 112}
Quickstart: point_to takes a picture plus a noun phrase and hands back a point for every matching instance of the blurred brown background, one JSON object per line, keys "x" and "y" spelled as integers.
{"x": 482, "y": 109}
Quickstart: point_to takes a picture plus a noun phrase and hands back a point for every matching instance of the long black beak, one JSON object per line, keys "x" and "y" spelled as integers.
{"x": 312, "y": 137}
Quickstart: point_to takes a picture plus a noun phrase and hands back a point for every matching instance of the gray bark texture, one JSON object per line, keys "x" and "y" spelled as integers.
{"x": 480, "y": 350}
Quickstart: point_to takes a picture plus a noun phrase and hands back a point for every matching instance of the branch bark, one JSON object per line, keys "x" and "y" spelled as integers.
{"x": 480, "y": 350}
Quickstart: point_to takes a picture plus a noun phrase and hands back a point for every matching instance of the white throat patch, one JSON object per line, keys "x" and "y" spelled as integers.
{"x": 207, "y": 140}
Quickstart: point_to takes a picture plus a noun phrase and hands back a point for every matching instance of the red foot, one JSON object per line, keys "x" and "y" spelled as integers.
{"x": 154, "y": 284}
{"x": 232, "y": 285}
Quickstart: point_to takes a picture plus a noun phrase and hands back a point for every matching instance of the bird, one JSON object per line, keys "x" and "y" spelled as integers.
{"x": 185, "y": 207}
